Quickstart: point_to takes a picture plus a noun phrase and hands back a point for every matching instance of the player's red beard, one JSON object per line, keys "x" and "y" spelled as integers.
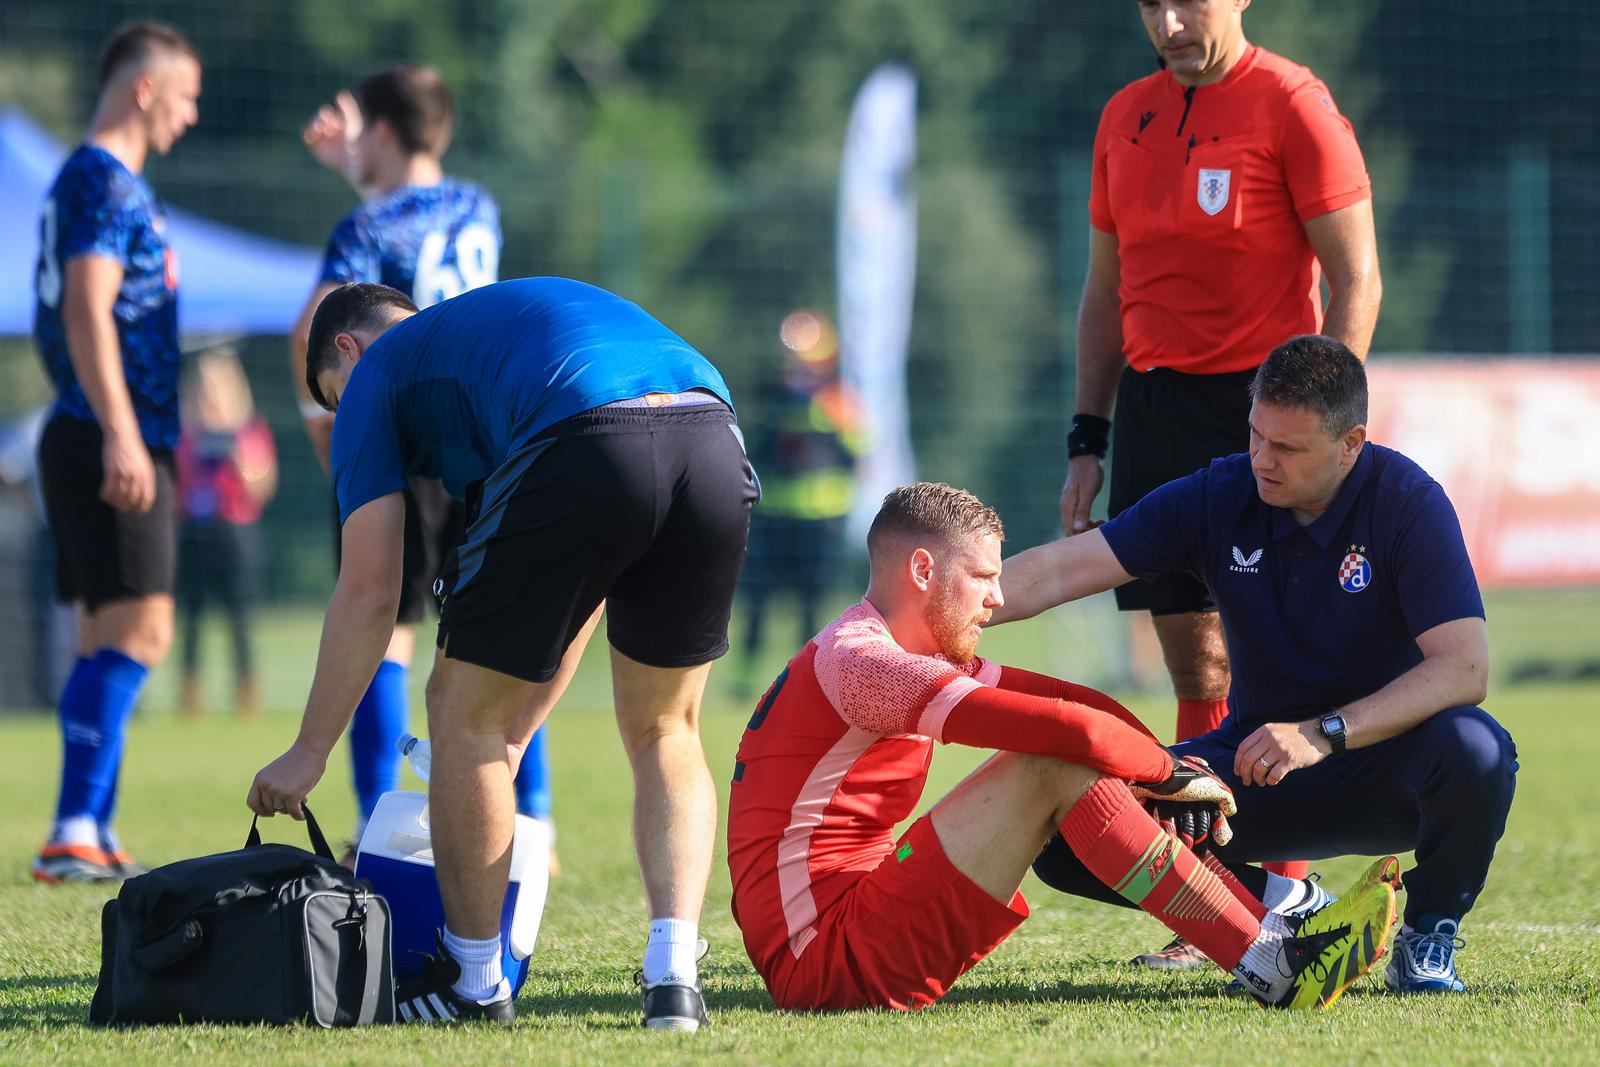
{"x": 951, "y": 627}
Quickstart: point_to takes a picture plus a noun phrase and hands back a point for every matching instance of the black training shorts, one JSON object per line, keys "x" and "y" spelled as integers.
{"x": 103, "y": 554}
{"x": 1168, "y": 425}
{"x": 647, "y": 509}
{"x": 434, "y": 520}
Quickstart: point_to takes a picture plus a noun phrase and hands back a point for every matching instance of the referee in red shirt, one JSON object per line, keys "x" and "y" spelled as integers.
{"x": 1226, "y": 187}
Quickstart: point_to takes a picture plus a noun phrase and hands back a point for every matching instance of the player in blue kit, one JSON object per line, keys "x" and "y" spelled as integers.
{"x": 600, "y": 461}
{"x": 1358, "y": 642}
{"x": 432, "y": 237}
{"x": 106, "y": 326}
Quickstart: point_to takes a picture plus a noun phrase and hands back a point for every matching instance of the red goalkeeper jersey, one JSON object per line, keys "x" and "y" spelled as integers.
{"x": 837, "y": 754}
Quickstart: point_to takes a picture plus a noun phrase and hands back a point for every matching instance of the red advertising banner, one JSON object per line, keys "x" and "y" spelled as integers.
{"x": 1516, "y": 445}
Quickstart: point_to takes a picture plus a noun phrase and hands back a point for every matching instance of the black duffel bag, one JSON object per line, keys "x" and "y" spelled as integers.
{"x": 267, "y": 934}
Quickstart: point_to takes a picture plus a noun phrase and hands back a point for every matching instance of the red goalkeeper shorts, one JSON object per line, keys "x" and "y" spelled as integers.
{"x": 898, "y": 938}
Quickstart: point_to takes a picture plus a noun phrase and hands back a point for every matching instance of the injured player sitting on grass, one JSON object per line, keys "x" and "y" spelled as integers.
{"x": 837, "y": 914}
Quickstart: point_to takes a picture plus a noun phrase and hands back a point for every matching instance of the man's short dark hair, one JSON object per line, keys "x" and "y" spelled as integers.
{"x": 137, "y": 42}
{"x": 357, "y": 306}
{"x": 414, "y": 101}
{"x": 935, "y": 510}
{"x": 1315, "y": 372}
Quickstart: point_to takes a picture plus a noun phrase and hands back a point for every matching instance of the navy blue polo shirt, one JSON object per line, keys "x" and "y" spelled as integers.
{"x": 1315, "y": 616}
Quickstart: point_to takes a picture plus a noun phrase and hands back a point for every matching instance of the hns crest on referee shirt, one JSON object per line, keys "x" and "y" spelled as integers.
{"x": 1212, "y": 192}
{"x": 1355, "y": 573}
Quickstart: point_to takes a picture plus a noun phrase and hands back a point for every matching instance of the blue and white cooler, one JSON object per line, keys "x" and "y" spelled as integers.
{"x": 396, "y": 856}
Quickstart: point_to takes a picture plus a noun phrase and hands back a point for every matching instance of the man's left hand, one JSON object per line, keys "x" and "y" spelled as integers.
{"x": 281, "y": 786}
{"x": 1277, "y": 748}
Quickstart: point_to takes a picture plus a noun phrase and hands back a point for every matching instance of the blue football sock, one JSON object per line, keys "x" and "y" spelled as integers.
{"x": 380, "y": 719}
{"x": 95, "y": 705}
{"x": 533, "y": 779}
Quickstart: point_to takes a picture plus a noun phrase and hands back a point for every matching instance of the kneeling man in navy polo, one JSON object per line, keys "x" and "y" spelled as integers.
{"x": 1360, "y": 655}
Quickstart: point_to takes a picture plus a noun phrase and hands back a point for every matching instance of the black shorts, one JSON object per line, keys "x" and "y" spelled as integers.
{"x": 103, "y": 554}
{"x": 434, "y": 520}
{"x": 1168, "y": 425}
{"x": 647, "y": 509}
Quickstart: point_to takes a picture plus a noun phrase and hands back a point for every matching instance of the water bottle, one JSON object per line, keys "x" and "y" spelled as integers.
{"x": 417, "y": 752}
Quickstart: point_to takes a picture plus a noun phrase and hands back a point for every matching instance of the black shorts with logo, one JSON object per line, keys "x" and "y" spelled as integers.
{"x": 645, "y": 508}
{"x": 1168, "y": 425}
{"x": 103, "y": 554}
{"x": 434, "y": 520}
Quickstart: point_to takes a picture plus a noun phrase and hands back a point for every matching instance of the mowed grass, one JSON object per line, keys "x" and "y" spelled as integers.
{"x": 1056, "y": 992}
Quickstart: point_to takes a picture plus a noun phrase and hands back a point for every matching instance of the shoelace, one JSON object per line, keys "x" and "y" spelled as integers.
{"x": 1433, "y": 954}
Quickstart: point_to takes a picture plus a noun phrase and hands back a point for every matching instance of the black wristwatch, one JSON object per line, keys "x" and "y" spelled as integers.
{"x": 1332, "y": 727}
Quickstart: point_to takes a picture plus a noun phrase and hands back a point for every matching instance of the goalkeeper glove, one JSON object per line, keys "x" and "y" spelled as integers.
{"x": 1191, "y": 796}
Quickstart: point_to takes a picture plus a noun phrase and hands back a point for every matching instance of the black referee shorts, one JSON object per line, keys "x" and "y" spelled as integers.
{"x": 1168, "y": 425}
{"x": 103, "y": 554}
{"x": 647, "y": 509}
{"x": 434, "y": 520}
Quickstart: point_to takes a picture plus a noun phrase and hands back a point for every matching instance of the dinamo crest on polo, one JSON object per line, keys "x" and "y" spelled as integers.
{"x": 1355, "y": 573}
{"x": 1211, "y": 191}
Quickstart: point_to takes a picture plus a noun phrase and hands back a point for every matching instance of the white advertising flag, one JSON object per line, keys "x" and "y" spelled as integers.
{"x": 877, "y": 252}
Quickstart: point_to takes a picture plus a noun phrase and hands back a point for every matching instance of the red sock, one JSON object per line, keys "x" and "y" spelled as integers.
{"x": 1289, "y": 868}
{"x": 1196, "y": 717}
{"x": 1236, "y": 887}
{"x": 1122, "y": 845}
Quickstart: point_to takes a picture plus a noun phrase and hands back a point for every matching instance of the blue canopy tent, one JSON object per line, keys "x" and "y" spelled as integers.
{"x": 233, "y": 282}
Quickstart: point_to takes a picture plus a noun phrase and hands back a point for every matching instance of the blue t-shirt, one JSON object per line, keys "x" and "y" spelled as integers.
{"x": 457, "y": 389}
{"x": 1315, "y": 616}
{"x": 97, "y": 207}
{"x": 430, "y": 242}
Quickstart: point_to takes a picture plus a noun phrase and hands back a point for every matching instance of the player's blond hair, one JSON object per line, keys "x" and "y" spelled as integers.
{"x": 935, "y": 510}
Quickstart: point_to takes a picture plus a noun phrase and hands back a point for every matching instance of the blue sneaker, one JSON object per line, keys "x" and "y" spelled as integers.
{"x": 1425, "y": 962}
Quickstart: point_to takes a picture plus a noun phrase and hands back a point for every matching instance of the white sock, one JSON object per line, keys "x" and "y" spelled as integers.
{"x": 480, "y": 965}
{"x": 1262, "y": 968}
{"x": 669, "y": 954}
{"x": 1294, "y": 896}
{"x": 76, "y": 830}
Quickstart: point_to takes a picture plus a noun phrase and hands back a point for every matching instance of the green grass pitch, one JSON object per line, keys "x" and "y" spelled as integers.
{"x": 1056, "y": 992}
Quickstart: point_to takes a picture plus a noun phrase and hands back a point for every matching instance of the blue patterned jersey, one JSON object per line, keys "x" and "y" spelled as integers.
{"x": 430, "y": 242}
{"x": 97, "y": 207}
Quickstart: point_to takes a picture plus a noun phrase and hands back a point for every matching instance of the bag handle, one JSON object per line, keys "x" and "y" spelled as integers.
{"x": 319, "y": 844}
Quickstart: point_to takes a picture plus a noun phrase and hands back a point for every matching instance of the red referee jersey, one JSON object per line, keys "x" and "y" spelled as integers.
{"x": 1207, "y": 190}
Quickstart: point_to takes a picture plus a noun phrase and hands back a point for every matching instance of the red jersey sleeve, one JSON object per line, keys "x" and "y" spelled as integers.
{"x": 1009, "y": 721}
{"x": 1099, "y": 196}
{"x": 1020, "y": 681}
{"x": 1322, "y": 162}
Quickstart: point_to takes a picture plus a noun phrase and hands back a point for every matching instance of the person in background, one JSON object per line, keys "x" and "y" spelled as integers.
{"x": 106, "y": 327}
{"x": 805, "y": 455}
{"x": 227, "y": 471}
{"x": 48, "y": 650}
{"x": 431, "y": 236}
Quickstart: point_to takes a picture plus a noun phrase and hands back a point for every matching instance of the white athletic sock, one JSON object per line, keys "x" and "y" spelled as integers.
{"x": 1293, "y": 896}
{"x": 480, "y": 965}
{"x": 669, "y": 954}
{"x": 1261, "y": 969}
{"x": 76, "y": 830}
